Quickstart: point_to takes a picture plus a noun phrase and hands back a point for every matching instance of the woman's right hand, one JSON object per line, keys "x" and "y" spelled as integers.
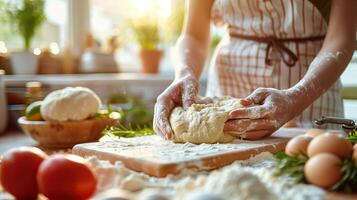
{"x": 182, "y": 92}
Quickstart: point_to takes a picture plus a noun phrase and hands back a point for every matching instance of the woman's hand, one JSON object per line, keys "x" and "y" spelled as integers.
{"x": 182, "y": 91}
{"x": 271, "y": 109}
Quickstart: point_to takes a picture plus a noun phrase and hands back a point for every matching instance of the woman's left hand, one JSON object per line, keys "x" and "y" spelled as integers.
{"x": 271, "y": 109}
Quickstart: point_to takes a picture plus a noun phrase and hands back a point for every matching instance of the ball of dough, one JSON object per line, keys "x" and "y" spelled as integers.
{"x": 70, "y": 104}
{"x": 203, "y": 123}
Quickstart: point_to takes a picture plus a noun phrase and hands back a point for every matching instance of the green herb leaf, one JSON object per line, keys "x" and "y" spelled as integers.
{"x": 134, "y": 111}
{"x": 291, "y": 166}
{"x": 121, "y": 131}
{"x": 294, "y": 167}
{"x": 348, "y": 182}
{"x": 352, "y": 137}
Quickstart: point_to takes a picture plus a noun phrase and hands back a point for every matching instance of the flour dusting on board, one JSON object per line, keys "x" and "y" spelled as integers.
{"x": 154, "y": 148}
{"x": 249, "y": 179}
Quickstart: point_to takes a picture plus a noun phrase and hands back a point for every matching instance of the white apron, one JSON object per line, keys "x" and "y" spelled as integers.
{"x": 241, "y": 65}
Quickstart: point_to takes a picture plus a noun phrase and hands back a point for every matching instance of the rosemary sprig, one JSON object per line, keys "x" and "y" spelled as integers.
{"x": 294, "y": 167}
{"x": 291, "y": 166}
{"x": 122, "y": 131}
{"x": 348, "y": 182}
{"x": 352, "y": 137}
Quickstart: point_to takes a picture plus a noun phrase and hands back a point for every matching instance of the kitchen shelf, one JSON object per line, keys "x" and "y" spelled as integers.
{"x": 79, "y": 79}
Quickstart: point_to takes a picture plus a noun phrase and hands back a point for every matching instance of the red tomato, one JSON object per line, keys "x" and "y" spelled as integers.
{"x": 18, "y": 171}
{"x": 66, "y": 177}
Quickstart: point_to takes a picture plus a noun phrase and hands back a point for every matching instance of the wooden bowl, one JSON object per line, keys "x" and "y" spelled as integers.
{"x": 65, "y": 134}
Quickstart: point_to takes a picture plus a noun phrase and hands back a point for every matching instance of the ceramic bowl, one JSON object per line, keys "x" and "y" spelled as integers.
{"x": 65, "y": 134}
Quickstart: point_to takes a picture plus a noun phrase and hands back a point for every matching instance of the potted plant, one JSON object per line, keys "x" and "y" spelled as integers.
{"x": 147, "y": 34}
{"x": 27, "y": 16}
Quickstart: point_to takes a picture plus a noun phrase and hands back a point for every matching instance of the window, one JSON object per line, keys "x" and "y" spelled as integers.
{"x": 51, "y": 31}
{"x": 111, "y": 18}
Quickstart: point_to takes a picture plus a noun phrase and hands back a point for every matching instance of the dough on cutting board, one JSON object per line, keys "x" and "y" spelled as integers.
{"x": 203, "y": 123}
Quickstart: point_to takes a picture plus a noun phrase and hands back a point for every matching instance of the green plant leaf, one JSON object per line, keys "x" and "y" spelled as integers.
{"x": 348, "y": 182}
{"x": 352, "y": 136}
{"x": 122, "y": 131}
{"x": 146, "y": 32}
{"x": 291, "y": 166}
{"x": 134, "y": 112}
{"x": 294, "y": 168}
{"x": 27, "y": 16}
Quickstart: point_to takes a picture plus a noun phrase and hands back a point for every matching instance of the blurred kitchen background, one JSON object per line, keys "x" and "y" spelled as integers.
{"x": 115, "y": 47}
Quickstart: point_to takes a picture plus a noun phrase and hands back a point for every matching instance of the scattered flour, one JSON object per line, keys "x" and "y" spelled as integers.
{"x": 249, "y": 179}
{"x": 155, "y": 149}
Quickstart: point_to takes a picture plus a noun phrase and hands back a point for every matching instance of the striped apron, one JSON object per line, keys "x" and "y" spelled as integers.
{"x": 270, "y": 44}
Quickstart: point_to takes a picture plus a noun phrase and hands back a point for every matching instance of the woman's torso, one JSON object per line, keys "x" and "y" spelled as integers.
{"x": 239, "y": 65}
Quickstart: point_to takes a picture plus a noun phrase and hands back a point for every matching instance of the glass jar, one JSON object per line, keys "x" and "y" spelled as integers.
{"x": 33, "y": 92}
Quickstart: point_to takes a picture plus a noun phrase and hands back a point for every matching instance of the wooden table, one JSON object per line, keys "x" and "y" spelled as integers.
{"x": 15, "y": 138}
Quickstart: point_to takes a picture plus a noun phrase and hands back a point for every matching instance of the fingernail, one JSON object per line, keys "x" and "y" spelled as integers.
{"x": 168, "y": 136}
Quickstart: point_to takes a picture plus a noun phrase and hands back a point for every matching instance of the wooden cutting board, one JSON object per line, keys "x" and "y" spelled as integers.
{"x": 157, "y": 157}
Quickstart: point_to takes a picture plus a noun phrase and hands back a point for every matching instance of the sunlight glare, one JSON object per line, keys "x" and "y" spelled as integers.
{"x": 3, "y": 49}
{"x": 37, "y": 51}
{"x": 161, "y": 8}
{"x": 54, "y": 48}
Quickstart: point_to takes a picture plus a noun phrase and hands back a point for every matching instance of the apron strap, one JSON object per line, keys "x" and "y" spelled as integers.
{"x": 278, "y": 43}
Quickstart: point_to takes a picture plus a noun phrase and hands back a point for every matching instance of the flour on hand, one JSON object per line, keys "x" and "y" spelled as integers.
{"x": 203, "y": 123}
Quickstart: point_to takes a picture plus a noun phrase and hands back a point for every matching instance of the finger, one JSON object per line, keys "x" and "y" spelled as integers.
{"x": 189, "y": 93}
{"x": 245, "y": 102}
{"x": 256, "y": 135}
{"x": 254, "y": 112}
{"x": 158, "y": 129}
{"x": 163, "y": 128}
{"x": 239, "y": 125}
{"x": 257, "y": 96}
{"x": 161, "y": 118}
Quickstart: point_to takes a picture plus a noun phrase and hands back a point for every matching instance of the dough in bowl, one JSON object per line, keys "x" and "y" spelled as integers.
{"x": 70, "y": 104}
{"x": 203, "y": 123}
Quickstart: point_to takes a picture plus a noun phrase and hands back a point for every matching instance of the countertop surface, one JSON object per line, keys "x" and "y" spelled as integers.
{"x": 15, "y": 138}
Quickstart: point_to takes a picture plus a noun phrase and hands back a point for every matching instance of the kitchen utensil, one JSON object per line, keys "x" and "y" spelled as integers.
{"x": 348, "y": 125}
{"x": 65, "y": 134}
{"x": 3, "y": 104}
{"x": 157, "y": 157}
